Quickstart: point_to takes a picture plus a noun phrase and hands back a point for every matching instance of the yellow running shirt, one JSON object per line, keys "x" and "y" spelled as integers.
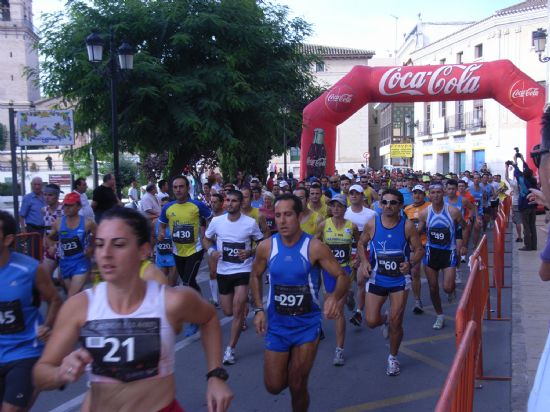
{"x": 310, "y": 225}
{"x": 184, "y": 221}
{"x": 412, "y": 213}
{"x": 339, "y": 240}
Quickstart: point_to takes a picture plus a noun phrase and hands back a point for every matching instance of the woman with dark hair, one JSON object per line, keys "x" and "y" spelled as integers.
{"x": 127, "y": 329}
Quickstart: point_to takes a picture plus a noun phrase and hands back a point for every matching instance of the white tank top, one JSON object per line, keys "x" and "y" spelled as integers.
{"x": 130, "y": 347}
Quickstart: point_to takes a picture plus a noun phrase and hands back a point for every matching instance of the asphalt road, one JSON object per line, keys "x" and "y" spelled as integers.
{"x": 360, "y": 385}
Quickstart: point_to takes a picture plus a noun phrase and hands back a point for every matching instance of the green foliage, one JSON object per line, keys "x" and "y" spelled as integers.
{"x": 127, "y": 167}
{"x": 209, "y": 78}
{"x": 4, "y": 137}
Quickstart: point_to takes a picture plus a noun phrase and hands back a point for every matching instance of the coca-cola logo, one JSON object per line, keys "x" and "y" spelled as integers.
{"x": 339, "y": 98}
{"x": 458, "y": 79}
{"x": 320, "y": 162}
{"x": 523, "y": 96}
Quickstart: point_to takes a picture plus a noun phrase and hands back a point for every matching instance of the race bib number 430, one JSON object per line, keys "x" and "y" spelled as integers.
{"x": 184, "y": 234}
{"x": 125, "y": 349}
{"x": 292, "y": 300}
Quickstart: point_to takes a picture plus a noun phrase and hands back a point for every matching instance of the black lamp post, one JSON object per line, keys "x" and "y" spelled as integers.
{"x": 539, "y": 42}
{"x": 284, "y": 112}
{"x": 94, "y": 45}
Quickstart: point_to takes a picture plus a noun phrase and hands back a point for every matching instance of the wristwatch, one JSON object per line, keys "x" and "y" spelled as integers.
{"x": 256, "y": 310}
{"x": 220, "y": 373}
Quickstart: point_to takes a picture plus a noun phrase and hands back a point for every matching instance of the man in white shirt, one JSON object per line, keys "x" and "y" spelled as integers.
{"x": 80, "y": 187}
{"x": 514, "y": 192}
{"x": 234, "y": 233}
{"x": 133, "y": 193}
{"x": 359, "y": 216}
{"x": 150, "y": 205}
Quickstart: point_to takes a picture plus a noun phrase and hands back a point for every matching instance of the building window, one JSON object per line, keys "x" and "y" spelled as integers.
{"x": 478, "y": 51}
{"x": 11, "y": 54}
{"x": 4, "y": 10}
{"x": 459, "y": 58}
{"x": 442, "y": 61}
{"x": 427, "y": 113}
{"x": 443, "y": 109}
{"x": 319, "y": 67}
{"x": 478, "y": 113}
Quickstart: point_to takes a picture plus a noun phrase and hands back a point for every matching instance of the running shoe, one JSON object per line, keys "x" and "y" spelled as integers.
{"x": 418, "y": 307}
{"x": 229, "y": 356}
{"x": 338, "y": 357}
{"x": 393, "y": 367}
{"x": 458, "y": 278}
{"x": 350, "y": 301}
{"x": 451, "y": 297}
{"x": 439, "y": 322}
{"x": 191, "y": 329}
{"x": 386, "y": 326}
{"x": 357, "y": 318}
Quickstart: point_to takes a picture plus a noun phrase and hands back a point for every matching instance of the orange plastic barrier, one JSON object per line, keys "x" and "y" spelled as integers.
{"x": 457, "y": 394}
{"x": 29, "y": 244}
{"x": 473, "y": 302}
{"x": 499, "y": 239}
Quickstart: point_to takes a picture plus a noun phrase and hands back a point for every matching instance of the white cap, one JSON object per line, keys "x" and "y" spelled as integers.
{"x": 283, "y": 183}
{"x": 357, "y": 188}
{"x": 418, "y": 187}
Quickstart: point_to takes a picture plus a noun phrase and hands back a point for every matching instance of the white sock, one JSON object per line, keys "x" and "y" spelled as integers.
{"x": 391, "y": 357}
{"x": 214, "y": 289}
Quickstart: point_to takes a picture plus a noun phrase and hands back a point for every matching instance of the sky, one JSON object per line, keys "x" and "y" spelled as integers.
{"x": 363, "y": 24}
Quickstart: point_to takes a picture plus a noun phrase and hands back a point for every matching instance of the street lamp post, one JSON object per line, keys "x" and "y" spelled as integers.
{"x": 94, "y": 45}
{"x": 284, "y": 111}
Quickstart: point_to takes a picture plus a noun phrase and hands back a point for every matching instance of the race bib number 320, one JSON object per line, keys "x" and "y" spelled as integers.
{"x": 292, "y": 300}
{"x": 125, "y": 349}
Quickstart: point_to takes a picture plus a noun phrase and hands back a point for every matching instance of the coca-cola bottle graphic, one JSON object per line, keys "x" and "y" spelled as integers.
{"x": 316, "y": 159}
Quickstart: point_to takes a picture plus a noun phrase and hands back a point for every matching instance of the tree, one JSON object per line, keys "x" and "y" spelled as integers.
{"x": 3, "y": 136}
{"x": 209, "y": 78}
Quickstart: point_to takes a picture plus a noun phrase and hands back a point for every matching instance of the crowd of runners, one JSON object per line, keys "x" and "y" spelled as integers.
{"x": 318, "y": 246}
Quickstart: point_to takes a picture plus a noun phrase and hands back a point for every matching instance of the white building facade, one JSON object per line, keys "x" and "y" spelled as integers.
{"x": 352, "y": 136}
{"x": 458, "y": 136}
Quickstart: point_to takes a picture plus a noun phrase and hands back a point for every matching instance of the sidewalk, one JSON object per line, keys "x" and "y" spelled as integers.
{"x": 530, "y": 317}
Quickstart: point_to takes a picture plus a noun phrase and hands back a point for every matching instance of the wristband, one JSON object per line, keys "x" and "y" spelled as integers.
{"x": 210, "y": 250}
{"x": 256, "y": 310}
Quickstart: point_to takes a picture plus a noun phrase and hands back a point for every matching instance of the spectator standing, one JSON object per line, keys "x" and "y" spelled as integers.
{"x": 525, "y": 182}
{"x": 150, "y": 205}
{"x": 49, "y": 160}
{"x": 514, "y": 192}
{"x": 30, "y": 214}
{"x": 133, "y": 193}
{"x": 80, "y": 187}
{"x": 104, "y": 197}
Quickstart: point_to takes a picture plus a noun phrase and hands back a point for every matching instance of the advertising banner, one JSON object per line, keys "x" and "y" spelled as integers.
{"x": 45, "y": 128}
{"x": 401, "y": 150}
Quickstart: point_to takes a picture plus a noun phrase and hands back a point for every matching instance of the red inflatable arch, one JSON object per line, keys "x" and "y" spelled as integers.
{"x": 499, "y": 80}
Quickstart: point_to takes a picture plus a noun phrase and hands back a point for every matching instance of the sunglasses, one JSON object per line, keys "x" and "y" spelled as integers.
{"x": 390, "y": 202}
{"x": 537, "y": 153}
